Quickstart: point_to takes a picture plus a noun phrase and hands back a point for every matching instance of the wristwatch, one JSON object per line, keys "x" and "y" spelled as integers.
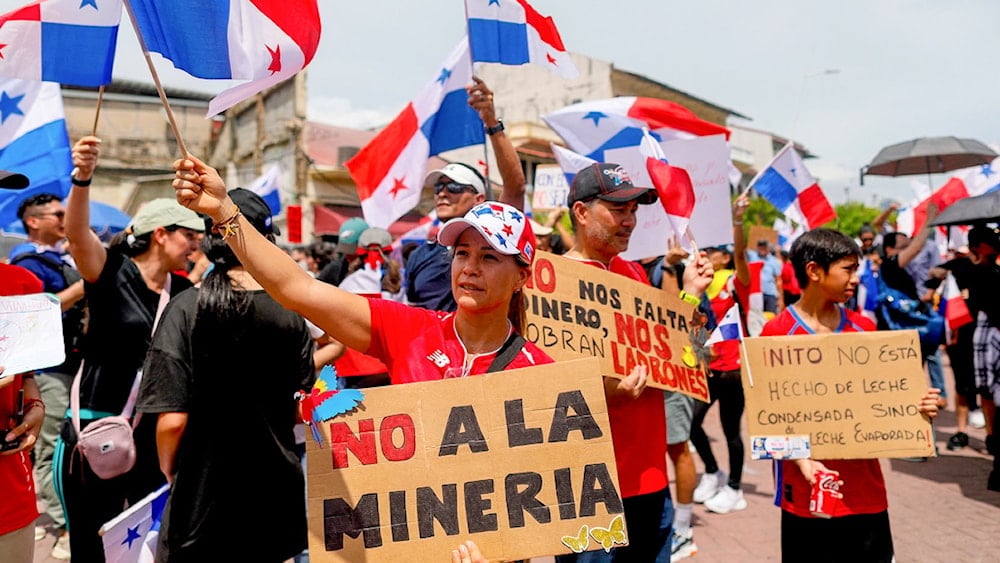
{"x": 496, "y": 128}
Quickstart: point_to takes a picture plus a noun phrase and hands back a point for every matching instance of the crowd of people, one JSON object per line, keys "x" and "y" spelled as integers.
{"x": 194, "y": 309}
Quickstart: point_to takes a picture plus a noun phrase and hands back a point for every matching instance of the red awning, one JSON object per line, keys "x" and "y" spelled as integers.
{"x": 328, "y": 218}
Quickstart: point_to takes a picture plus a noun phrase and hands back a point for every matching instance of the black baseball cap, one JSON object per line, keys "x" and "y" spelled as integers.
{"x": 609, "y": 182}
{"x": 254, "y": 209}
{"x": 13, "y": 180}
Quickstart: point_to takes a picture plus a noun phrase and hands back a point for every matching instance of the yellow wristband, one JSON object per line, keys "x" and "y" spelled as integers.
{"x": 690, "y": 299}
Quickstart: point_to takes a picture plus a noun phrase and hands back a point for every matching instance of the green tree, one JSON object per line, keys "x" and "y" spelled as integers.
{"x": 850, "y": 216}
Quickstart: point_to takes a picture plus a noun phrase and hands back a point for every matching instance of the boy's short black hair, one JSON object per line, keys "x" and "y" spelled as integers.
{"x": 822, "y": 246}
{"x": 36, "y": 200}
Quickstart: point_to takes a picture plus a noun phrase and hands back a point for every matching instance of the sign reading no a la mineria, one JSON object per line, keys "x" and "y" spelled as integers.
{"x": 521, "y": 462}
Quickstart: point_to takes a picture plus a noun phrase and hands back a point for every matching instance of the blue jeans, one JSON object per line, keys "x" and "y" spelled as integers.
{"x": 935, "y": 371}
{"x": 649, "y": 520}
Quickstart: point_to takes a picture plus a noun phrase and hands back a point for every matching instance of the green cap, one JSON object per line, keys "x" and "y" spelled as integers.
{"x": 164, "y": 212}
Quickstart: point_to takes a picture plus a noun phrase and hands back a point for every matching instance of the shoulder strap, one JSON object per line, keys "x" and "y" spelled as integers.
{"x": 510, "y": 349}
{"x": 74, "y": 395}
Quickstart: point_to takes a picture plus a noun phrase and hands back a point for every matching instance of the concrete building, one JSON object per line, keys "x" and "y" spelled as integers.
{"x": 138, "y": 147}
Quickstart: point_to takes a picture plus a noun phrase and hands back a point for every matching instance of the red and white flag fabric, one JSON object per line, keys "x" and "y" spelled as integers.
{"x": 593, "y": 127}
{"x": 967, "y": 182}
{"x": 512, "y": 32}
{"x": 673, "y": 184}
{"x": 263, "y": 41}
{"x": 389, "y": 171}
{"x": 791, "y": 189}
{"x": 956, "y": 310}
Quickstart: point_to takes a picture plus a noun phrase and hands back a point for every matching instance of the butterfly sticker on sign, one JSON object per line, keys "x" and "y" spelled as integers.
{"x": 580, "y": 542}
{"x": 611, "y": 536}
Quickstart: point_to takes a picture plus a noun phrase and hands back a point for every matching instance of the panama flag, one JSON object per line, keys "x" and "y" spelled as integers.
{"x": 67, "y": 41}
{"x": 791, "y": 189}
{"x": 266, "y": 186}
{"x": 673, "y": 184}
{"x": 786, "y": 233}
{"x": 570, "y": 162}
{"x": 131, "y": 536}
{"x": 729, "y": 328}
{"x": 263, "y": 41}
{"x": 511, "y": 32}
{"x": 592, "y": 127}
{"x": 389, "y": 171}
{"x": 33, "y": 141}
{"x": 956, "y": 311}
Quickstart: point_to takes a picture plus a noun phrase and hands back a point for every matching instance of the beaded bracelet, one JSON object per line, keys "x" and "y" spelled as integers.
{"x": 228, "y": 227}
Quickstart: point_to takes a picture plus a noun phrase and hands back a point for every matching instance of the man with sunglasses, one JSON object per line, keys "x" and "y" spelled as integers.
{"x": 458, "y": 188}
{"x": 42, "y": 216}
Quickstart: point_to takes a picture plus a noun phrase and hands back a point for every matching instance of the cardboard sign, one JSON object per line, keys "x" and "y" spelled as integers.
{"x": 760, "y": 232}
{"x": 576, "y": 310}
{"x": 520, "y": 462}
{"x": 706, "y": 159}
{"x": 855, "y": 395}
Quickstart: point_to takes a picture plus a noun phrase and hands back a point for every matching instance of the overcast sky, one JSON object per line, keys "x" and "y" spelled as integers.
{"x": 905, "y": 68}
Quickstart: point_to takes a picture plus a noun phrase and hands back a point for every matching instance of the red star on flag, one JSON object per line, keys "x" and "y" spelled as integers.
{"x": 2, "y": 45}
{"x": 275, "y": 65}
{"x": 551, "y": 59}
{"x": 507, "y": 230}
{"x": 398, "y": 186}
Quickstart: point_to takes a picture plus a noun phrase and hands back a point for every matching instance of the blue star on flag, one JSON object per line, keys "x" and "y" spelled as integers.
{"x": 133, "y": 534}
{"x": 497, "y": 2}
{"x": 596, "y": 116}
{"x": 987, "y": 170}
{"x": 792, "y": 171}
{"x": 445, "y": 75}
{"x": 9, "y": 106}
{"x": 89, "y": 3}
{"x": 516, "y": 216}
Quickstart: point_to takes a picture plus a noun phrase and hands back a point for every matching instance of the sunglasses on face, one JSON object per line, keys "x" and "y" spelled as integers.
{"x": 867, "y": 240}
{"x": 56, "y": 214}
{"x": 453, "y": 187}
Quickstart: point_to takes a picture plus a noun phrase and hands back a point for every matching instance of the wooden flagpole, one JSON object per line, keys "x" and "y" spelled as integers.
{"x": 156, "y": 80}
{"x": 97, "y": 112}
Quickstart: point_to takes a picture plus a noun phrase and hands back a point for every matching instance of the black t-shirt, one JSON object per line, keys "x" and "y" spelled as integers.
{"x": 238, "y": 475}
{"x": 982, "y": 282}
{"x": 897, "y": 278}
{"x": 122, "y": 309}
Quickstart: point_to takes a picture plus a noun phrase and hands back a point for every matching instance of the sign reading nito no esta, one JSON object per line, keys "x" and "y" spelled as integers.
{"x": 855, "y": 395}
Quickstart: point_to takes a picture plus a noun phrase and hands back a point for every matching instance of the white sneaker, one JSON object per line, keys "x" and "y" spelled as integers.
{"x": 60, "y": 550}
{"x": 977, "y": 419}
{"x": 682, "y": 546}
{"x": 40, "y": 533}
{"x": 726, "y": 500}
{"x": 709, "y": 484}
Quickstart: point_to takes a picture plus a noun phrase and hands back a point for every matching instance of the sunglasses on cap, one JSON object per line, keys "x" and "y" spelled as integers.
{"x": 453, "y": 187}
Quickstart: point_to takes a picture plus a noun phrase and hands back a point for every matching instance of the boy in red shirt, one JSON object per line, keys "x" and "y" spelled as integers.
{"x": 826, "y": 267}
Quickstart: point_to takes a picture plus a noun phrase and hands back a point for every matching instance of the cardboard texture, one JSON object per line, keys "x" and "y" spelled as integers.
{"x": 575, "y": 310}
{"x": 760, "y": 232}
{"x": 514, "y": 461}
{"x": 855, "y": 394}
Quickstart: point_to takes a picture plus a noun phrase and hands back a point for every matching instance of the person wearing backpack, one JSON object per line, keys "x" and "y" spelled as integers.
{"x": 42, "y": 216}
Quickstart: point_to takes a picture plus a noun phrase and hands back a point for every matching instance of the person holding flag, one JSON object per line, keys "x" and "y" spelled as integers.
{"x": 729, "y": 291}
{"x": 457, "y": 188}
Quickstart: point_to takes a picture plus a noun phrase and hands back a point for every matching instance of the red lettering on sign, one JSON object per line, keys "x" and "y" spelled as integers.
{"x": 401, "y": 422}
{"x": 362, "y": 444}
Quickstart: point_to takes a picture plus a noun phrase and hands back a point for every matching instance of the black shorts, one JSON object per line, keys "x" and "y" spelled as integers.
{"x": 862, "y": 538}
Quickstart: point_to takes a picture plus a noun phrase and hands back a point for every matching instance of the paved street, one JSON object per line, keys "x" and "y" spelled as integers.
{"x": 940, "y": 509}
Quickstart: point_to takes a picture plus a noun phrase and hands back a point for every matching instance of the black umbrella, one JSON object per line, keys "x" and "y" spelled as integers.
{"x": 928, "y": 155}
{"x": 971, "y": 210}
